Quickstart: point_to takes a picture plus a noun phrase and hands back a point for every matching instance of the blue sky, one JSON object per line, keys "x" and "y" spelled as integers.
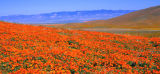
{"x": 27, "y": 7}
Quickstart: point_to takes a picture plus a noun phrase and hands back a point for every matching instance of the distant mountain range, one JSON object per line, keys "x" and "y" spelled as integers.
{"x": 65, "y": 17}
{"x": 148, "y": 18}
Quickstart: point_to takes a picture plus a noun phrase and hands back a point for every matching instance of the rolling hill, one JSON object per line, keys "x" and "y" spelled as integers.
{"x": 143, "y": 19}
{"x": 27, "y": 49}
{"x": 65, "y": 17}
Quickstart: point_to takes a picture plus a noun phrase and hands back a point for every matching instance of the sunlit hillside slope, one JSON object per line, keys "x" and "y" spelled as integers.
{"x": 143, "y": 19}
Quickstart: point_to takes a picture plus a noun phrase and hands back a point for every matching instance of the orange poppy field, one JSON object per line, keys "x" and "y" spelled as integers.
{"x": 38, "y": 49}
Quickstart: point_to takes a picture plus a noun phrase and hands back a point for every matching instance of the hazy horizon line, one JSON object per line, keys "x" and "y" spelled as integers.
{"x": 65, "y": 11}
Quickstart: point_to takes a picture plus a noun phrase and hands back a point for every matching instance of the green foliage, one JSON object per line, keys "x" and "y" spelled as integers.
{"x": 143, "y": 64}
{"x": 72, "y": 71}
{"x": 132, "y": 64}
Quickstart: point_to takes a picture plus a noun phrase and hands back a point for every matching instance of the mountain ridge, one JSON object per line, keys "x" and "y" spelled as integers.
{"x": 65, "y": 16}
{"x": 145, "y": 18}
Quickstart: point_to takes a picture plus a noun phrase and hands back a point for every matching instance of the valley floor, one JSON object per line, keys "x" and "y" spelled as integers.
{"x": 137, "y": 32}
